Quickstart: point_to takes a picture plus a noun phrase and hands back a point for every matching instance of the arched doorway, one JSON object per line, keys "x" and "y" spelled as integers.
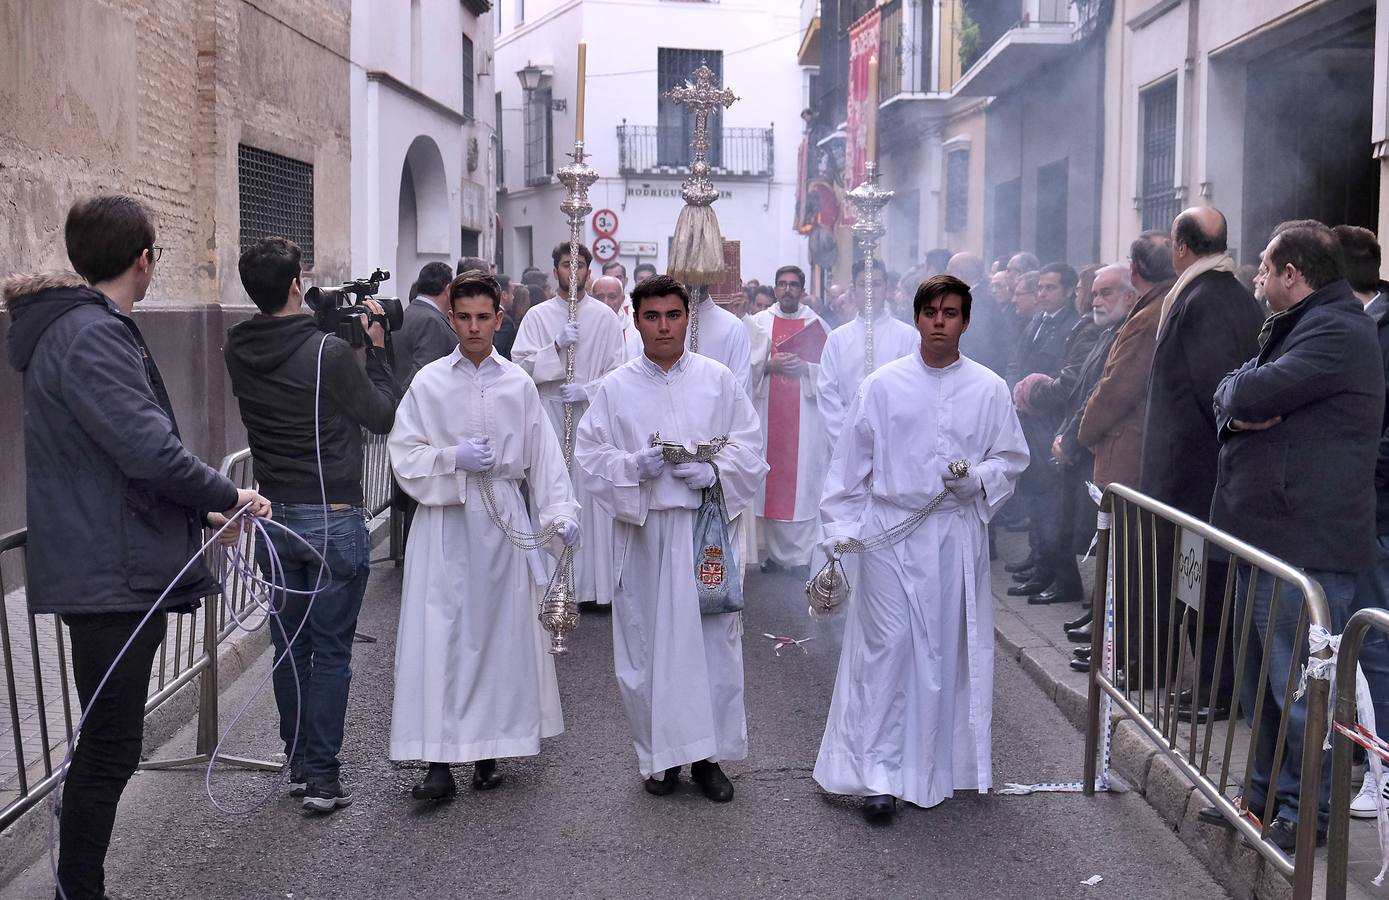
{"x": 423, "y": 233}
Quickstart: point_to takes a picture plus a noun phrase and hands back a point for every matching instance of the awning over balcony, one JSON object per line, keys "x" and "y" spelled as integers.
{"x": 809, "y": 54}
{"x": 1014, "y": 57}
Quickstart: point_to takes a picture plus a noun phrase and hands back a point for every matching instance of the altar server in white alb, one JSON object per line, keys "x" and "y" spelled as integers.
{"x": 722, "y": 336}
{"x": 844, "y": 365}
{"x": 680, "y": 673}
{"x": 473, "y": 678}
{"x": 544, "y": 336}
{"x": 913, "y": 698}
{"x": 792, "y": 429}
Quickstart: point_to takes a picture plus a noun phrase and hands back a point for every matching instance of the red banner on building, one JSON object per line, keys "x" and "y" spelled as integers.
{"x": 863, "y": 43}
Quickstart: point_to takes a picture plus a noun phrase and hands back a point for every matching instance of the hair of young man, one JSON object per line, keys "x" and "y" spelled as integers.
{"x": 878, "y": 265}
{"x": 791, "y": 270}
{"x": 476, "y": 284}
{"x": 434, "y": 279}
{"x": 504, "y": 282}
{"x": 471, "y": 264}
{"x": 764, "y": 290}
{"x": 1186, "y": 230}
{"x": 562, "y": 250}
{"x": 1308, "y": 246}
{"x": 268, "y": 268}
{"x": 1360, "y": 255}
{"x": 938, "y": 286}
{"x": 659, "y": 286}
{"x": 1151, "y": 254}
{"x": 535, "y": 280}
{"x": 1069, "y": 276}
{"x": 643, "y": 267}
{"x": 105, "y": 235}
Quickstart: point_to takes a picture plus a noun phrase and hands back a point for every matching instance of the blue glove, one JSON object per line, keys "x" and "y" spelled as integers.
{"x": 474, "y": 455}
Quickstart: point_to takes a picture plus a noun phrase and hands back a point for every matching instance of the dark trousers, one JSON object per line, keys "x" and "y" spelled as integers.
{"x": 313, "y": 706}
{"x": 108, "y": 747}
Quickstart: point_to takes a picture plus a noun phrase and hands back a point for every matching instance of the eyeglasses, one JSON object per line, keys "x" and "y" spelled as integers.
{"x": 156, "y": 253}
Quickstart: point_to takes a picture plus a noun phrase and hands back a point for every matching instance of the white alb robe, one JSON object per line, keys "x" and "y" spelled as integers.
{"x": 473, "y": 678}
{"x": 680, "y": 674}
{"x": 788, "y": 530}
{"x": 913, "y": 698}
{"x": 843, "y": 365}
{"x": 723, "y": 337}
{"x": 600, "y": 350}
{"x": 759, "y": 349}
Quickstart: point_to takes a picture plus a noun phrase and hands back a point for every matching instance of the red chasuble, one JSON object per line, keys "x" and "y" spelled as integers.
{"x": 783, "y": 430}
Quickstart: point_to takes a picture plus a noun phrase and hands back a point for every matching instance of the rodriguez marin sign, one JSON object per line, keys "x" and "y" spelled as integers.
{"x": 648, "y": 191}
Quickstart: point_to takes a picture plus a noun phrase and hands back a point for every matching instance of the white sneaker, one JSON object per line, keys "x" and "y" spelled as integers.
{"x": 1363, "y": 806}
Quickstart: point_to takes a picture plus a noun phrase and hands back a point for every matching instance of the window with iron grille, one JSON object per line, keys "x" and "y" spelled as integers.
{"x": 957, "y": 190}
{"x": 674, "y": 123}
{"x": 1157, "y": 194}
{"x": 540, "y": 157}
{"x": 468, "y": 78}
{"x": 276, "y": 198}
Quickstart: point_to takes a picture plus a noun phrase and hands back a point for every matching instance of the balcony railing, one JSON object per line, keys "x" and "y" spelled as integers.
{"x": 905, "y": 49}
{"x": 665, "y": 150}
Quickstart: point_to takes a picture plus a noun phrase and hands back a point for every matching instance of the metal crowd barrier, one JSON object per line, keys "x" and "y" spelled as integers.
{"x": 1162, "y": 559}
{"x": 1344, "y": 717}
{"x": 41, "y": 707}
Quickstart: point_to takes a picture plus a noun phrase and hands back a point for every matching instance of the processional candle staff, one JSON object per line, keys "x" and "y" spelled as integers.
{"x": 559, "y": 612}
{"x": 868, "y": 201}
{"x": 696, "y": 255}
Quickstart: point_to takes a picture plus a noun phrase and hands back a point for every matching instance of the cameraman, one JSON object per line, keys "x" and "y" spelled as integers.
{"x": 113, "y": 501}
{"x": 304, "y": 400}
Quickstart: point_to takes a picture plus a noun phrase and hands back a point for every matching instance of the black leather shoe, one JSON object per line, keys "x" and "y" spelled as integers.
{"x": 769, "y": 565}
{"x": 1077, "y": 622}
{"x": 1031, "y": 573}
{"x": 879, "y": 808}
{"x": 662, "y": 787}
{"x": 1082, "y": 635}
{"x": 1080, "y": 665}
{"x": 1031, "y": 587}
{"x": 1283, "y": 833}
{"x": 711, "y": 780}
{"x": 438, "y": 784}
{"x": 1013, "y": 568}
{"x": 1081, "y": 653}
{"x": 1212, "y": 816}
{"x": 1053, "y": 595}
{"x": 485, "y": 775}
{"x": 1203, "y": 713}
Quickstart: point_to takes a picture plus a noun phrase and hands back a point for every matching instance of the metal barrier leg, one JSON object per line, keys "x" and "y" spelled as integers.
{"x": 1099, "y": 626}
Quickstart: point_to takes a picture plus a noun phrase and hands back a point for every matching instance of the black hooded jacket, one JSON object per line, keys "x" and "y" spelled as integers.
{"x": 114, "y": 500}
{"x": 274, "y": 363}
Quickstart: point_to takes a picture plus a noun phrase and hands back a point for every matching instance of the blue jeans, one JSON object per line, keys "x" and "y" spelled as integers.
{"x": 1340, "y": 593}
{"x": 322, "y": 652}
{"x": 1372, "y": 592}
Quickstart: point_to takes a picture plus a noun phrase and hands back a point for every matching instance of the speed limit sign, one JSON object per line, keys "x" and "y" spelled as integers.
{"x": 605, "y": 222}
{"x": 605, "y": 249}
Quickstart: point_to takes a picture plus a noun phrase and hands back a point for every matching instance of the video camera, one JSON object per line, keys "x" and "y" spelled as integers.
{"x": 335, "y": 309}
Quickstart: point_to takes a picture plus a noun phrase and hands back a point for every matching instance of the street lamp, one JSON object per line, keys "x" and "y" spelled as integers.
{"x": 530, "y": 77}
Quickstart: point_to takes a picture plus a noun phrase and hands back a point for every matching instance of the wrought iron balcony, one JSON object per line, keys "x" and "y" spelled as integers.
{"x": 665, "y": 150}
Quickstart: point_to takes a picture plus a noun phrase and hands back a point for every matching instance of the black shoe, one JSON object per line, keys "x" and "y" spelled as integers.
{"x": 1203, "y": 713}
{"x": 1050, "y": 596}
{"x": 297, "y": 784}
{"x": 1032, "y": 587}
{"x": 438, "y": 784}
{"x": 485, "y": 775}
{"x": 1081, "y": 653}
{"x": 712, "y": 781}
{"x": 1082, "y": 635}
{"x": 769, "y": 565}
{"x": 326, "y": 796}
{"x": 1080, "y": 665}
{"x": 1213, "y": 816}
{"x": 1283, "y": 833}
{"x": 1077, "y": 622}
{"x": 1013, "y": 568}
{"x": 879, "y": 807}
{"x": 664, "y": 786}
{"x": 1031, "y": 573}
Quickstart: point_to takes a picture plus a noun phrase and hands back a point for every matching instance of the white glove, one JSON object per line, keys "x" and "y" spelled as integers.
{"x": 696, "y": 475}
{"x": 965, "y": 489}
{"x": 568, "y": 531}
{"x": 650, "y": 462}
{"x": 474, "y": 455}
{"x": 568, "y": 336}
{"x": 828, "y": 545}
{"x": 573, "y": 393}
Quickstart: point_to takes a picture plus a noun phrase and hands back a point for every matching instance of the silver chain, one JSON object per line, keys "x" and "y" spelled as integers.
{"x": 959, "y": 468}
{"x": 523, "y": 540}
